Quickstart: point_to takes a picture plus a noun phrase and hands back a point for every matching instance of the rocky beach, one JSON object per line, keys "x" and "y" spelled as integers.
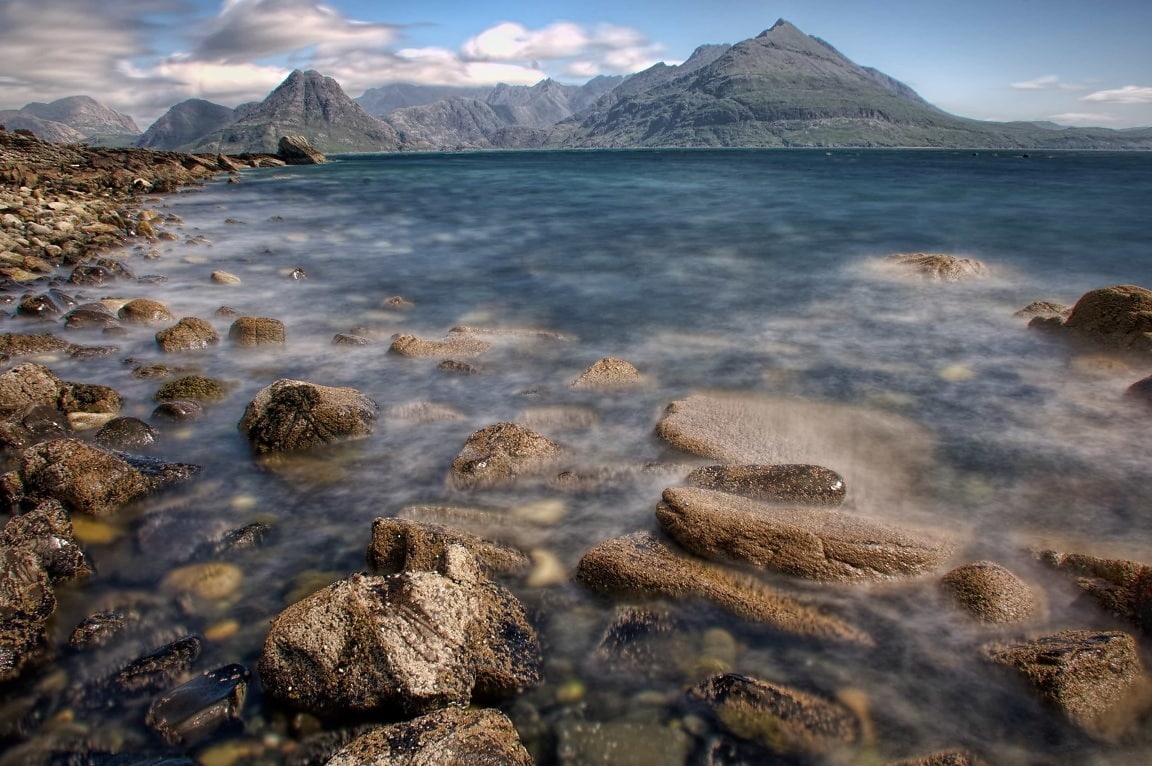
{"x": 777, "y": 602}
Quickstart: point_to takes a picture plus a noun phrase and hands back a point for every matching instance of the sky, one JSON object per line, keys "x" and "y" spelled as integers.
{"x": 1075, "y": 62}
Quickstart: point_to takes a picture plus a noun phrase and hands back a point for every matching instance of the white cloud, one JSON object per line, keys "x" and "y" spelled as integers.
{"x": 1083, "y": 119}
{"x": 1129, "y": 94}
{"x": 580, "y": 51}
{"x": 1040, "y": 83}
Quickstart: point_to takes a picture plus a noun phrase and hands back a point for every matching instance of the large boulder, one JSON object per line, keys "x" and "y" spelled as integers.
{"x": 1088, "y": 676}
{"x": 1122, "y": 587}
{"x": 400, "y": 545}
{"x": 1117, "y": 317}
{"x": 412, "y": 642}
{"x": 449, "y": 737}
{"x": 784, "y": 484}
{"x": 784, "y": 721}
{"x": 812, "y": 543}
{"x": 295, "y": 150}
{"x": 294, "y": 415}
{"x": 641, "y": 566}
{"x": 500, "y": 453}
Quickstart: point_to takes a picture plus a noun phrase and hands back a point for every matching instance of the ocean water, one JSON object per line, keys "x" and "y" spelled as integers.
{"x": 748, "y": 272}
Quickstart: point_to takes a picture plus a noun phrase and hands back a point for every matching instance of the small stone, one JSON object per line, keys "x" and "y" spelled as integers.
{"x": 939, "y": 266}
{"x": 211, "y": 581}
{"x": 225, "y": 278}
{"x": 500, "y": 453}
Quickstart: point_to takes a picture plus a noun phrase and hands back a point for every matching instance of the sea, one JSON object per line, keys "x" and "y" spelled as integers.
{"x": 757, "y": 274}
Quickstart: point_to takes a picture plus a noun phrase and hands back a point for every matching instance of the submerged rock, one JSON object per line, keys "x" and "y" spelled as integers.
{"x": 786, "y": 722}
{"x": 990, "y": 593}
{"x": 204, "y": 706}
{"x": 500, "y": 453}
{"x": 26, "y": 603}
{"x": 400, "y": 545}
{"x": 415, "y": 641}
{"x": 454, "y": 345}
{"x": 1140, "y": 391}
{"x": 159, "y": 669}
{"x": 785, "y": 484}
{"x": 19, "y": 344}
{"x": 939, "y": 266}
{"x": 1086, "y": 675}
{"x": 293, "y": 415}
{"x": 812, "y": 543}
{"x": 640, "y": 565}
{"x": 126, "y": 433}
{"x": 450, "y": 737}
{"x": 609, "y": 373}
{"x": 942, "y": 758}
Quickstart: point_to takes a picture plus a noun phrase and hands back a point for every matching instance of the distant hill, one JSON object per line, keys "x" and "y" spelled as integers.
{"x": 381, "y": 101}
{"x": 307, "y": 104}
{"x": 72, "y": 120}
{"x": 185, "y": 123}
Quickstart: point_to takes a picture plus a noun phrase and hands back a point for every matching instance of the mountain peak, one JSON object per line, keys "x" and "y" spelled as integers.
{"x": 780, "y": 28}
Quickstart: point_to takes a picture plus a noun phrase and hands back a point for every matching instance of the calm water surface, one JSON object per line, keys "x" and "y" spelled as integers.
{"x": 747, "y": 271}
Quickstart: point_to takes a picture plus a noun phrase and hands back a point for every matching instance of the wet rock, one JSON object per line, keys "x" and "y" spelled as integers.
{"x": 640, "y": 565}
{"x": 401, "y": 545}
{"x": 457, "y": 367}
{"x": 90, "y": 315}
{"x": 51, "y": 304}
{"x": 83, "y": 478}
{"x": 189, "y": 334}
{"x": 99, "y": 628}
{"x": 990, "y": 593}
{"x": 415, "y": 641}
{"x": 939, "y": 266}
{"x": 882, "y": 456}
{"x": 1044, "y": 309}
{"x": 811, "y": 543}
{"x": 348, "y": 339}
{"x": 126, "y": 433}
{"x": 209, "y": 704}
{"x": 609, "y": 373}
{"x": 295, "y": 150}
{"x": 90, "y": 398}
{"x": 638, "y": 638}
{"x": 224, "y": 278}
{"x": 398, "y": 302}
{"x": 27, "y": 385}
{"x": 1140, "y": 391}
{"x": 144, "y": 311}
{"x": 450, "y": 737}
{"x": 1086, "y": 675}
{"x": 91, "y": 275}
{"x": 942, "y": 758}
{"x": 784, "y": 484}
{"x": 34, "y": 424}
{"x": 158, "y": 670}
{"x": 19, "y": 344}
{"x": 1117, "y": 317}
{"x": 256, "y": 331}
{"x": 787, "y": 722}
{"x": 149, "y": 370}
{"x": 1121, "y": 587}
{"x": 46, "y": 531}
{"x": 180, "y": 411}
{"x": 607, "y": 743}
{"x": 293, "y": 415}
{"x": 26, "y": 603}
{"x": 500, "y": 453}
{"x": 454, "y": 345}
{"x": 194, "y": 387}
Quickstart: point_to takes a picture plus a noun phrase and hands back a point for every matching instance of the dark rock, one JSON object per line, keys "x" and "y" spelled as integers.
{"x": 35, "y": 423}
{"x": 188, "y": 334}
{"x": 144, "y": 311}
{"x": 46, "y": 531}
{"x": 638, "y": 638}
{"x": 99, "y": 628}
{"x": 786, "y": 722}
{"x": 51, "y": 304}
{"x": 990, "y": 592}
{"x": 295, "y": 150}
{"x": 812, "y": 543}
{"x": 942, "y": 758}
{"x": 126, "y": 433}
{"x": 256, "y": 331}
{"x": 194, "y": 387}
{"x": 293, "y": 415}
{"x": 415, "y": 641}
{"x": 641, "y": 566}
{"x": 347, "y": 339}
{"x": 939, "y": 266}
{"x": 178, "y": 411}
{"x": 26, "y": 603}
{"x": 1121, "y": 587}
{"x": 785, "y": 484}
{"x": 1085, "y": 675}
{"x": 27, "y": 385}
{"x": 90, "y": 315}
{"x": 91, "y": 275}
{"x": 204, "y": 706}
{"x": 1141, "y": 391}
{"x": 94, "y": 352}
{"x": 1114, "y": 317}
{"x": 460, "y": 368}
{"x": 401, "y": 545}
{"x": 450, "y": 737}
{"x": 500, "y": 453}
{"x": 157, "y": 671}
{"x": 608, "y": 373}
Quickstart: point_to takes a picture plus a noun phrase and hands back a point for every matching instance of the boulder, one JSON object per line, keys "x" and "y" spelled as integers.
{"x": 784, "y": 721}
{"x": 256, "y": 331}
{"x": 454, "y": 345}
{"x": 784, "y": 484}
{"x": 192, "y": 387}
{"x": 1086, "y": 675}
{"x": 90, "y": 315}
{"x": 608, "y": 373}
{"x": 501, "y": 453}
{"x": 126, "y": 433}
{"x": 938, "y": 266}
{"x": 294, "y": 415}
{"x": 990, "y": 593}
{"x": 295, "y": 150}
{"x": 1121, "y": 587}
{"x": 401, "y": 545}
{"x": 641, "y": 566}
{"x": 189, "y": 334}
{"x": 413, "y": 642}
{"x": 206, "y": 705}
{"x": 26, "y": 385}
{"x": 811, "y": 543}
{"x": 144, "y": 311}
{"x": 449, "y": 737}
{"x": 881, "y": 455}
{"x": 1117, "y": 317}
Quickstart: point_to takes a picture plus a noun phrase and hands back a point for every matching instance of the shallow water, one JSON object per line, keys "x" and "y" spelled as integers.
{"x": 740, "y": 271}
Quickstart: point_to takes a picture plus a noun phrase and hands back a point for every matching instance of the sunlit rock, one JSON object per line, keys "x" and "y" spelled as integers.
{"x": 991, "y": 593}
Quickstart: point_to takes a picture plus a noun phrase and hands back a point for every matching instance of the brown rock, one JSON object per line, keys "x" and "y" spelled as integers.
{"x": 640, "y": 565}
{"x": 785, "y": 484}
{"x": 1121, "y": 587}
{"x": 17, "y": 344}
{"x": 83, "y": 478}
{"x": 256, "y": 331}
{"x": 449, "y": 737}
{"x": 454, "y": 345}
{"x": 500, "y": 453}
{"x": 224, "y": 278}
{"x": 144, "y": 311}
{"x": 942, "y": 758}
{"x": 609, "y": 373}
{"x": 810, "y": 543}
{"x": 990, "y": 593}
{"x": 188, "y": 334}
{"x": 939, "y": 266}
{"x": 293, "y": 415}
{"x": 1044, "y": 309}
{"x": 401, "y": 545}
{"x": 295, "y": 150}
{"x": 1116, "y": 317}
{"x": 26, "y": 385}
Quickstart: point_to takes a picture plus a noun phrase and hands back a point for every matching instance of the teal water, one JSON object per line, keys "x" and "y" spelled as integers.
{"x": 748, "y": 271}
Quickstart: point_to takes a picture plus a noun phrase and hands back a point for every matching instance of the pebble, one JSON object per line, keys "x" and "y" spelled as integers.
{"x": 212, "y": 580}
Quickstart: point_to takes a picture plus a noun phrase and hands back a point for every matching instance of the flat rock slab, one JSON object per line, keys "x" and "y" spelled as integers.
{"x": 812, "y": 543}
{"x": 881, "y": 455}
{"x": 640, "y": 565}
{"x": 1086, "y": 675}
{"x": 783, "y": 484}
{"x": 450, "y": 737}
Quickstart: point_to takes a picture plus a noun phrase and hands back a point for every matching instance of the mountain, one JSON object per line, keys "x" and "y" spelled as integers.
{"x": 91, "y": 120}
{"x": 450, "y": 123}
{"x": 184, "y": 123}
{"x": 307, "y": 104}
{"x": 399, "y": 95}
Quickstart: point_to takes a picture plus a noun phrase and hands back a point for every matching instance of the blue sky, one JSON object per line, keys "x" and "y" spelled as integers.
{"x": 1073, "y": 62}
